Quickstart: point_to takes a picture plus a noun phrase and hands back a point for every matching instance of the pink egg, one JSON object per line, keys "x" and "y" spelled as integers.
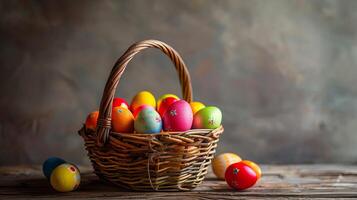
{"x": 178, "y": 116}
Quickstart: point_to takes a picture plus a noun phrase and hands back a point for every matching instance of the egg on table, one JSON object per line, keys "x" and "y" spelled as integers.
{"x": 178, "y": 116}
{"x": 91, "y": 121}
{"x": 122, "y": 120}
{"x": 142, "y": 98}
{"x": 164, "y": 97}
{"x": 222, "y": 161}
{"x": 148, "y": 121}
{"x": 50, "y": 164}
{"x": 65, "y": 178}
{"x": 207, "y": 118}
{"x": 165, "y": 103}
{"x": 120, "y": 102}
{"x": 254, "y": 166}
{"x": 196, "y": 106}
{"x": 240, "y": 176}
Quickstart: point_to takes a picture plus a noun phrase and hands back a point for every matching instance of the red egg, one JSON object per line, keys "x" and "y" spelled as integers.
{"x": 140, "y": 108}
{"x": 240, "y": 176}
{"x": 165, "y": 103}
{"x": 178, "y": 116}
{"x": 120, "y": 102}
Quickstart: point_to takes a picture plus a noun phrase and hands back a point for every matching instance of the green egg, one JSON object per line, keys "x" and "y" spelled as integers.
{"x": 207, "y": 118}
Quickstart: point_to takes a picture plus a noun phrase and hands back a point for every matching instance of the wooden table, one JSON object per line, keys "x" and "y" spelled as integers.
{"x": 294, "y": 181}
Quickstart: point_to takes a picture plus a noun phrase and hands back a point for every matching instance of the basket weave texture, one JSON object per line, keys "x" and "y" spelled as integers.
{"x": 163, "y": 161}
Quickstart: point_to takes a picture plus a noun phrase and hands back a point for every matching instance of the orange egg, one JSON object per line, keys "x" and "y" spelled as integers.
{"x": 254, "y": 166}
{"x": 143, "y": 98}
{"x": 221, "y": 162}
{"x": 91, "y": 121}
{"x": 122, "y": 120}
{"x": 196, "y": 106}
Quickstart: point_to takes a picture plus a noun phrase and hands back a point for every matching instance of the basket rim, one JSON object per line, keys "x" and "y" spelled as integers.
{"x": 170, "y": 132}
{"x": 163, "y": 133}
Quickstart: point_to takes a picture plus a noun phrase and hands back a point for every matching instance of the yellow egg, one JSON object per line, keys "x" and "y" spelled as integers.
{"x": 65, "y": 178}
{"x": 163, "y": 97}
{"x": 142, "y": 98}
{"x": 222, "y": 161}
{"x": 196, "y": 106}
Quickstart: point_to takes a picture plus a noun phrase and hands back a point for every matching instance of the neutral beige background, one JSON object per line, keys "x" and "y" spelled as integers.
{"x": 283, "y": 72}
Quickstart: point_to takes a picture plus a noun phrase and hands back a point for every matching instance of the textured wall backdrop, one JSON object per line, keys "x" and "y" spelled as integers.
{"x": 283, "y": 72}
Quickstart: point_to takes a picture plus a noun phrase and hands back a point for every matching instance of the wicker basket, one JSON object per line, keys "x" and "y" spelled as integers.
{"x": 163, "y": 161}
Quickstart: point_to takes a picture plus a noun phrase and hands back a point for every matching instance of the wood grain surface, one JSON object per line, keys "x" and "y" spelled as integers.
{"x": 288, "y": 181}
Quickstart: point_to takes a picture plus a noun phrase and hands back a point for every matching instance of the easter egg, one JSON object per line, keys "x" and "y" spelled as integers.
{"x": 120, "y": 102}
{"x": 178, "y": 116}
{"x": 91, "y": 121}
{"x": 65, "y": 178}
{"x": 240, "y": 176}
{"x": 50, "y": 164}
{"x": 164, "y": 97}
{"x": 196, "y": 106}
{"x": 165, "y": 103}
{"x": 207, "y": 118}
{"x": 222, "y": 161}
{"x": 122, "y": 120}
{"x": 148, "y": 121}
{"x": 254, "y": 166}
{"x": 142, "y": 98}
{"x": 136, "y": 111}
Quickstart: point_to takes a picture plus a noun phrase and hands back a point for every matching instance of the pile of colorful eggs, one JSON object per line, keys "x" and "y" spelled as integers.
{"x": 239, "y": 174}
{"x": 63, "y": 177}
{"x": 168, "y": 113}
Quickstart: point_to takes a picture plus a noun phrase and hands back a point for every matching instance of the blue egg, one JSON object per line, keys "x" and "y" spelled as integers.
{"x": 148, "y": 121}
{"x": 50, "y": 164}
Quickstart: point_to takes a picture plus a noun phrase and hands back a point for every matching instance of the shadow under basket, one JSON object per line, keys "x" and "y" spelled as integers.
{"x": 166, "y": 161}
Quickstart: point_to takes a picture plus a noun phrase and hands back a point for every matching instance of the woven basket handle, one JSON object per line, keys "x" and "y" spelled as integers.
{"x": 105, "y": 110}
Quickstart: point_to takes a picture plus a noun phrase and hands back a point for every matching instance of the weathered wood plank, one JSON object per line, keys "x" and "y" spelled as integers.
{"x": 295, "y": 181}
